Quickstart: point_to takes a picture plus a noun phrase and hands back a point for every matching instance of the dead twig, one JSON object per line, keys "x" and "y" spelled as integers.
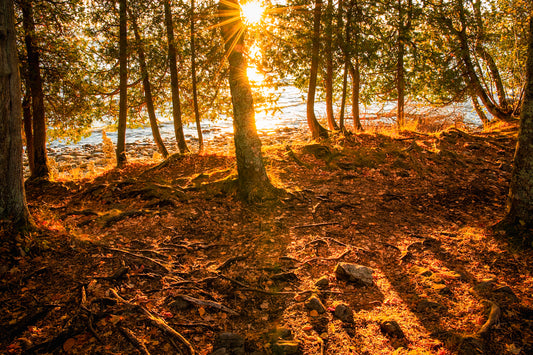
{"x": 207, "y": 303}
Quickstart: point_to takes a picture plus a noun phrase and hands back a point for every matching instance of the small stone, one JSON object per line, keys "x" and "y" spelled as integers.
{"x": 314, "y": 304}
{"x": 358, "y": 274}
{"x": 485, "y": 285}
{"x": 425, "y": 305}
{"x": 322, "y": 282}
{"x": 344, "y": 313}
{"x": 286, "y": 347}
{"x": 392, "y": 329}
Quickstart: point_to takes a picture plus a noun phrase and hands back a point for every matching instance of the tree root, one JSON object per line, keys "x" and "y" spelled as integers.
{"x": 207, "y": 303}
{"x": 139, "y": 344}
{"x": 494, "y": 316}
{"x": 158, "y": 322}
{"x": 139, "y": 256}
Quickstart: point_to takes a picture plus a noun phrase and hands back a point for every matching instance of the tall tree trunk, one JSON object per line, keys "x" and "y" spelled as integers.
{"x": 254, "y": 183}
{"x": 356, "y": 85}
{"x": 13, "y": 205}
{"x": 174, "y": 79}
{"x": 40, "y": 159}
{"x": 193, "y": 77}
{"x": 404, "y": 26}
{"x": 123, "y": 84}
{"x": 520, "y": 202}
{"x": 317, "y": 131}
{"x": 27, "y": 123}
{"x": 332, "y": 125}
{"x": 464, "y": 52}
{"x": 342, "y": 45}
{"x": 148, "y": 90}
{"x": 479, "y": 111}
{"x": 482, "y": 52}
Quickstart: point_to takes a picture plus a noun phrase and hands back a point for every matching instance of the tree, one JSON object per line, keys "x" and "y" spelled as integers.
{"x": 317, "y": 131}
{"x": 35, "y": 83}
{"x": 332, "y": 125}
{"x": 520, "y": 202}
{"x": 175, "y": 85}
{"x": 148, "y": 89}
{"x": 194, "y": 80}
{"x": 13, "y": 205}
{"x": 123, "y": 85}
{"x": 253, "y": 181}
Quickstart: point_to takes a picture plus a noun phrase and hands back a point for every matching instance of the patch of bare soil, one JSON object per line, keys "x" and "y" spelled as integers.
{"x": 166, "y": 259}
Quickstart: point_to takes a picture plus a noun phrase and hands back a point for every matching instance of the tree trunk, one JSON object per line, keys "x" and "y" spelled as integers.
{"x": 520, "y": 202}
{"x": 254, "y": 183}
{"x": 317, "y": 131}
{"x": 479, "y": 111}
{"x": 13, "y": 205}
{"x": 193, "y": 77}
{"x": 174, "y": 80}
{"x": 403, "y": 33}
{"x": 148, "y": 90}
{"x": 123, "y": 84}
{"x": 342, "y": 45}
{"x": 464, "y": 52}
{"x": 28, "y": 129}
{"x": 332, "y": 125}
{"x": 354, "y": 69}
{"x": 40, "y": 160}
{"x": 482, "y": 52}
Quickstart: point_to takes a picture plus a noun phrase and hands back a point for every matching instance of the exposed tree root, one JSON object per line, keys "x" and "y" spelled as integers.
{"x": 158, "y": 322}
{"x": 128, "y": 334}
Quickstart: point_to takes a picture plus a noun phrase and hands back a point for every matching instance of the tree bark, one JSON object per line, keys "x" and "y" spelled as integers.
{"x": 332, "y": 125}
{"x": 193, "y": 78}
{"x": 403, "y": 33}
{"x": 254, "y": 183}
{"x": 520, "y": 201}
{"x": 40, "y": 160}
{"x": 13, "y": 205}
{"x": 148, "y": 90}
{"x": 354, "y": 68}
{"x": 342, "y": 45}
{"x": 123, "y": 84}
{"x": 174, "y": 79}
{"x": 317, "y": 131}
{"x": 28, "y": 129}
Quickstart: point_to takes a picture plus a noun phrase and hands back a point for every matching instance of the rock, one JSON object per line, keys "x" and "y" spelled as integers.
{"x": 279, "y": 333}
{"x": 179, "y": 304}
{"x": 344, "y": 313}
{"x": 358, "y": 274}
{"x": 424, "y": 305}
{"x": 228, "y": 343}
{"x": 322, "y": 282}
{"x": 286, "y": 347}
{"x": 314, "y": 303}
{"x": 392, "y": 329}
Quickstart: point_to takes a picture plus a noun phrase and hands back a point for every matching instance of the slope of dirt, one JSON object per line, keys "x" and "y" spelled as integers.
{"x": 165, "y": 259}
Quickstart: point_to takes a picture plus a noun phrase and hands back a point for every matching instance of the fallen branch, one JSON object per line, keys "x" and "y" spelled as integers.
{"x": 253, "y": 289}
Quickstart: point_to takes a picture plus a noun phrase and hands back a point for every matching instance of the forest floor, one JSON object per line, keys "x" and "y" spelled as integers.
{"x": 161, "y": 259}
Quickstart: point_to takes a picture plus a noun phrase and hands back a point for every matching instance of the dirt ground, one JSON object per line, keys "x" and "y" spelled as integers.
{"x": 161, "y": 259}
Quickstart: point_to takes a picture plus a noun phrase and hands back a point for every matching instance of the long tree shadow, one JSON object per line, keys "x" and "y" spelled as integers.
{"x": 436, "y": 296}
